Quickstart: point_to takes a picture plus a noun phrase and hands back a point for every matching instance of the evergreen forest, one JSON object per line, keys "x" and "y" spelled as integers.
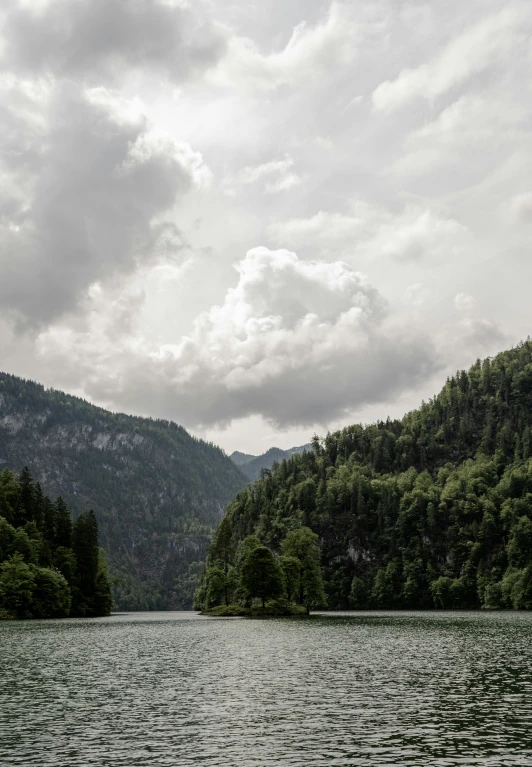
{"x": 430, "y": 511}
{"x": 50, "y": 567}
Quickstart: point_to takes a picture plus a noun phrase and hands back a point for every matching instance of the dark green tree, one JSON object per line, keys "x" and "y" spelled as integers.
{"x": 291, "y": 570}
{"x": 260, "y": 574}
{"x": 303, "y": 545}
{"x": 63, "y": 524}
{"x": 86, "y": 551}
{"x": 51, "y": 594}
{"x": 17, "y": 584}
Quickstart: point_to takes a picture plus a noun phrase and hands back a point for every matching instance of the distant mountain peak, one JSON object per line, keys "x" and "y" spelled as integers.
{"x": 252, "y": 465}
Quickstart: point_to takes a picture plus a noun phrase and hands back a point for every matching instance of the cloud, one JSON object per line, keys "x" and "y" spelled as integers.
{"x": 522, "y": 207}
{"x": 295, "y": 341}
{"x": 474, "y": 334}
{"x": 275, "y": 176}
{"x": 481, "y": 45}
{"x": 415, "y": 234}
{"x": 465, "y": 303}
{"x": 310, "y": 52}
{"x": 95, "y": 39}
{"x": 89, "y": 197}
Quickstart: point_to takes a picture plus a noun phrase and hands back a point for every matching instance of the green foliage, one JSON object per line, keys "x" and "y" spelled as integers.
{"x": 434, "y": 510}
{"x": 303, "y": 545}
{"x": 38, "y": 577}
{"x": 291, "y": 569}
{"x": 51, "y": 595}
{"x": 215, "y": 579}
{"x": 17, "y": 584}
{"x": 261, "y": 575}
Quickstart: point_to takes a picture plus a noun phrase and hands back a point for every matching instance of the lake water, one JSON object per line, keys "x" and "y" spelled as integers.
{"x": 380, "y": 689}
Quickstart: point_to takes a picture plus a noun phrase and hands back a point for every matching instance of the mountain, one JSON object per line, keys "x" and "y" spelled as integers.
{"x": 433, "y": 510}
{"x": 156, "y": 491}
{"x": 252, "y": 465}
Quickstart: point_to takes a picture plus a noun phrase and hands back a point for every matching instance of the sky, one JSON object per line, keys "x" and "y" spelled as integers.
{"x": 263, "y": 220}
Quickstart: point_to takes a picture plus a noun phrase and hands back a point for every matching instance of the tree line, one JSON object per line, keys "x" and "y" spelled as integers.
{"x": 251, "y": 571}
{"x": 50, "y": 567}
{"x": 433, "y": 510}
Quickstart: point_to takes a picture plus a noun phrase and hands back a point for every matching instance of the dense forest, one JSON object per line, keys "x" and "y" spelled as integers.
{"x": 49, "y": 567}
{"x": 434, "y": 510}
{"x": 157, "y": 492}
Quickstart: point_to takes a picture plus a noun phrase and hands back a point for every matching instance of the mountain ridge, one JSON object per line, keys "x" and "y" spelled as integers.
{"x": 156, "y": 490}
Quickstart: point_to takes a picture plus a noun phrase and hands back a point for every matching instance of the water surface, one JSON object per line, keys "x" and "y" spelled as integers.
{"x": 338, "y": 689}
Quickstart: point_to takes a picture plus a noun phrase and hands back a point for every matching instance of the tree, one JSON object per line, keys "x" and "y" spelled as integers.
{"x": 303, "y": 544}
{"x": 51, "y": 595}
{"x": 17, "y": 584}
{"x": 442, "y": 593}
{"x": 86, "y": 551}
{"x": 291, "y": 568}
{"x": 64, "y": 560}
{"x": 102, "y": 599}
{"x": 63, "y": 528}
{"x": 358, "y": 594}
{"x": 261, "y": 575}
{"x": 214, "y": 585}
{"x": 25, "y": 510}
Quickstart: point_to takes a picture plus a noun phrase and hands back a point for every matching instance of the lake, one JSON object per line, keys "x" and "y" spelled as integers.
{"x": 386, "y": 689}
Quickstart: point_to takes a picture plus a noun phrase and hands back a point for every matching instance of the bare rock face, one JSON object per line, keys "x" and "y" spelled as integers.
{"x": 156, "y": 491}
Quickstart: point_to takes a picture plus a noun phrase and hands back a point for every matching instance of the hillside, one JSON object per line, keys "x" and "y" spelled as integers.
{"x": 431, "y": 510}
{"x": 156, "y": 491}
{"x": 252, "y": 465}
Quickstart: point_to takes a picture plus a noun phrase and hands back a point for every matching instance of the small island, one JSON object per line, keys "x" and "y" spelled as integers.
{"x": 277, "y": 608}
{"x": 252, "y": 581}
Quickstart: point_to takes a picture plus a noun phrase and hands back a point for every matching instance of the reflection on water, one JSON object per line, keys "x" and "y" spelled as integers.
{"x": 337, "y": 689}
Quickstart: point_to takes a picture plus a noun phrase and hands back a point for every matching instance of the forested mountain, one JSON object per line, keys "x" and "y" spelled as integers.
{"x": 156, "y": 491}
{"x": 431, "y": 510}
{"x": 252, "y": 465}
{"x": 49, "y": 568}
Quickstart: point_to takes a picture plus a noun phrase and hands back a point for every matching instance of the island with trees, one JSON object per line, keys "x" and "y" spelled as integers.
{"x": 252, "y": 580}
{"x": 50, "y": 567}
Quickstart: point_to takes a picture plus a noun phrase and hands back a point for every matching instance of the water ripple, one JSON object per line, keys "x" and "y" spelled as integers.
{"x": 159, "y": 689}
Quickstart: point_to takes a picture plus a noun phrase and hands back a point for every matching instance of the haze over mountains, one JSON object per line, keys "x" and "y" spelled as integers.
{"x": 252, "y": 465}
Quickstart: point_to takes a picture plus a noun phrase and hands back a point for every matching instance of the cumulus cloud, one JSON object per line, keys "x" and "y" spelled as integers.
{"x": 297, "y": 342}
{"x": 95, "y": 39}
{"x": 87, "y": 199}
{"x": 115, "y": 246}
{"x": 481, "y": 45}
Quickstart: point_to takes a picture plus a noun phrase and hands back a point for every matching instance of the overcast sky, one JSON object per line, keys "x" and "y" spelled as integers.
{"x": 263, "y": 219}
